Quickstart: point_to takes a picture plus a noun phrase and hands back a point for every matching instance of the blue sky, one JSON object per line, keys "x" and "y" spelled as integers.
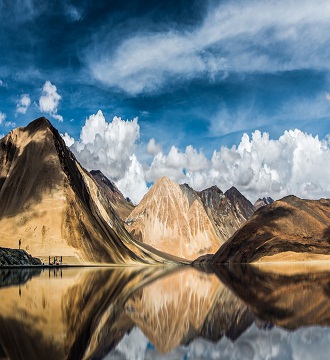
{"x": 199, "y": 73}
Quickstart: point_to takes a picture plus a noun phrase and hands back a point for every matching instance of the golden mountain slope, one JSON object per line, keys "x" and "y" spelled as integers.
{"x": 54, "y": 206}
{"x": 172, "y": 218}
{"x": 178, "y": 220}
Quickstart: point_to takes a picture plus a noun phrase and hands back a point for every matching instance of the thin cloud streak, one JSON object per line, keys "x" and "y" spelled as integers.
{"x": 235, "y": 37}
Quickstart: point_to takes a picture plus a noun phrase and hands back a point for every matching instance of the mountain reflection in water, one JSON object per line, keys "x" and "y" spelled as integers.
{"x": 164, "y": 313}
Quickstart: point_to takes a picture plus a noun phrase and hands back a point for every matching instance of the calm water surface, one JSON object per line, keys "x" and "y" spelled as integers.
{"x": 165, "y": 313}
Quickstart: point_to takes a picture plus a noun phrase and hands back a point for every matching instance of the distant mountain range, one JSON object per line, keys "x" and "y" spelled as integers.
{"x": 53, "y": 207}
{"x": 178, "y": 220}
{"x": 262, "y": 202}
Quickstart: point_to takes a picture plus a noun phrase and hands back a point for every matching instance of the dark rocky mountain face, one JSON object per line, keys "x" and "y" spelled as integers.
{"x": 239, "y": 202}
{"x": 289, "y": 229}
{"x": 214, "y": 198}
{"x": 227, "y": 214}
{"x": 50, "y": 202}
{"x": 262, "y": 202}
{"x": 115, "y": 199}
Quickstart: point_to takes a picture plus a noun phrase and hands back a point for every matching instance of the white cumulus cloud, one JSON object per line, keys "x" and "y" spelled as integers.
{"x": 110, "y": 147}
{"x": 49, "y": 100}
{"x": 23, "y": 104}
{"x": 295, "y": 163}
{"x": 153, "y": 148}
{"x": 69, "y": 141}
{"x": 258, "y": 166}
{"x": 177, "y": 164}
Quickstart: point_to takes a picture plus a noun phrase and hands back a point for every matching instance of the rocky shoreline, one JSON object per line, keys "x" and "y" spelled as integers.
{"x": 9, "y": 257}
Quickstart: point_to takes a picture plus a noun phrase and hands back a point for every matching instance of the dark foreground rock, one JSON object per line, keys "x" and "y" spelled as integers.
{"x": 17, "y": 257}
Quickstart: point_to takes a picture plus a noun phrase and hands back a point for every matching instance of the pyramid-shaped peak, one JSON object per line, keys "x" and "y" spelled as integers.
{"x": 164, "y": 181}
{"x": 240, "y": 202}
{"x": 213, "y": 189}
{"x": 233, "y": 191}
{"x": 38, "y": 124}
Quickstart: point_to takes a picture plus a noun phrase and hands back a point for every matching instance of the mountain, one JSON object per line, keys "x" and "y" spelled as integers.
{"x": 116, "y": 200}
{"x": 262, "y": 202}
{"x": 289, "y": 229}
{"x": 228, "y": 214}
{"x": 183, "y": 222}
{"x": 50, "y": 203}
{"x": 240, "y": 203}
{"x": 173, "y": 219}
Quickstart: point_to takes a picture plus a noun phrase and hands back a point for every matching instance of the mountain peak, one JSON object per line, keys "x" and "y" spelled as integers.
{"x": 172, "y": 218}
{"x": 214, "y": 189}
{"x": 233, "y": 191}
{"x": 240, "y": 202}
{"x": 164, "y": 181}
{"x": 38, "y": 124}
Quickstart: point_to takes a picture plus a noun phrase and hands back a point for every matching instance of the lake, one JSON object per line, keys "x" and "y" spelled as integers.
{"x": 153, "y": 312}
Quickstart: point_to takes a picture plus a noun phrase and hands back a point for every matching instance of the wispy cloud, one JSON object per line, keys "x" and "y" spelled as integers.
{"x": 2, "y": 117}
{"x": 22, "y": 10}
{"x": 74, "y": 13}
{"x": 7, "y": 124}
{"x": 23, "y": 104}
{"x": 49, "y": 100}
{"x": 235, "y": 37}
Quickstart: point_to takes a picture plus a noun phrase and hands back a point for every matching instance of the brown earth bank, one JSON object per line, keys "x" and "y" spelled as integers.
{"x": 290, "y": 229}
{"x": 54, "y": 207}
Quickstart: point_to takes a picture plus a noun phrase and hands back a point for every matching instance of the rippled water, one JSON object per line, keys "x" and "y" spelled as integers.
{"x": 238, "y": 312}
